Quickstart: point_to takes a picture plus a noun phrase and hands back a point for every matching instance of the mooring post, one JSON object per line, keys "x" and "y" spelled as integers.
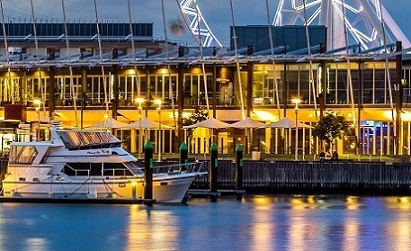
{"x": 148, "y": 170}
{"x": 183, "y": 156}
{"x": 213, "y": 172}
{"x": 239, "y": 170}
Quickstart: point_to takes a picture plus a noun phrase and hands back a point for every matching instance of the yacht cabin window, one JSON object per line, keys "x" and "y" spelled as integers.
{"x": 22, "y": 154}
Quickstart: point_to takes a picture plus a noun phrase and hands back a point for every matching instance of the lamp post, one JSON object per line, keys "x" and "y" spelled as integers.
{"x": 158, "y": 102}
{"x": 296, "y": 101}
{"x": 37, "y": 103}
{"x": 139, "y": 101}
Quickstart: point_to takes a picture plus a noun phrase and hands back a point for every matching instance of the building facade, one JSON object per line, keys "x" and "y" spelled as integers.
{"x": 369, "y": 89}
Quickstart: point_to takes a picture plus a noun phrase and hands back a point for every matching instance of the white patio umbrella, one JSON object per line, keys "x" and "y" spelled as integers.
{"x": 108, "y": 123}
{"x": 143, "y": 125}
{"x": 210, "y": 123}
{"x": 146, "y": 123}
{"x": 248, "y": 124}
{"x": 287, "y": 123}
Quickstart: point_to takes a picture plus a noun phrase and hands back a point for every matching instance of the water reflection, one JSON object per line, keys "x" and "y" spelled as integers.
{"x": 262, "y": 231}
{"x": 36, "y": 244}
{"x": 256, "y": 223}
{"x": 158, "y": 232}
{"x": 351, "y": 227}
{"x": 399, "y": 232}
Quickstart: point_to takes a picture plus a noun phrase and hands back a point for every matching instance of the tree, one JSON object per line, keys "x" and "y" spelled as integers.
{"x": 199, "y": 114}
{"x": 330, "y": 127}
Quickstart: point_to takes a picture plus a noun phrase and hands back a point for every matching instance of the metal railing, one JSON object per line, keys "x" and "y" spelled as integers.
{"x": 314, "y": 176}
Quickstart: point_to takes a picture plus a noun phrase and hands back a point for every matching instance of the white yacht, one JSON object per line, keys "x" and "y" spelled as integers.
{"x": 82, "y": 164}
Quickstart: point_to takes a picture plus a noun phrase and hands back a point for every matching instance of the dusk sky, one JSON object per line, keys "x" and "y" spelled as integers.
{"x": 216, "y": 12}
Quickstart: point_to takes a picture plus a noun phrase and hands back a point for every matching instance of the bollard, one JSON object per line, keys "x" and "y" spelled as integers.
{"x": 183, "y": 156}
{"x": 239, "y": 171}
{"x": 148, "y": 170}
{"x": 213, "y": 172}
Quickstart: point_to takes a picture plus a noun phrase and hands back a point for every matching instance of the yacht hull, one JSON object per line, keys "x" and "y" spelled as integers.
{"x": 166, "y": 188}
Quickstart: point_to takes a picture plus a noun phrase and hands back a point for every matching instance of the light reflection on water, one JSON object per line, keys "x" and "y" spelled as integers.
{"x": 255, "y": 223}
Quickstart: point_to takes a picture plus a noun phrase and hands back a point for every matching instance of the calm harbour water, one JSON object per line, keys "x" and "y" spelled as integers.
{"x": 255, "y": 223}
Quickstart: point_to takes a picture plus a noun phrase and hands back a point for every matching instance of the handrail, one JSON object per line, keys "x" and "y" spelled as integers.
{"x": 189, "y": 167}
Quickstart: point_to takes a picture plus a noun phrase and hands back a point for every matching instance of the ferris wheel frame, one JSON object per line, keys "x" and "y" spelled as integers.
{"x": 197, "y": 24}
{"x": 367, "y": 22}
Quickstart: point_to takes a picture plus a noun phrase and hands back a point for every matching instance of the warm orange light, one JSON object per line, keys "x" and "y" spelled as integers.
{"x": 296, "y": 101}
{"x": 158, "y": 101}
{"x": 139, "y": 101}
{"x": 37, "y": 102}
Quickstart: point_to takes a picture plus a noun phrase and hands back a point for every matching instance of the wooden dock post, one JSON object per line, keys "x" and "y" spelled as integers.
{"x": 213, "y": 172}
{"x": 183, "y": 156}
{"x": 148, "y": 171}
{"x": 239, "y": 171}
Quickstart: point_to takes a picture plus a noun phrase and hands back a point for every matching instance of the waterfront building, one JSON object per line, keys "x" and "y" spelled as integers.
{"x": 103, "y": 75}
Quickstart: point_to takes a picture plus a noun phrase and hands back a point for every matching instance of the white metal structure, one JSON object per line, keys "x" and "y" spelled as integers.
{"x": 365, "y": 22}
{"x": 197, "y": 24}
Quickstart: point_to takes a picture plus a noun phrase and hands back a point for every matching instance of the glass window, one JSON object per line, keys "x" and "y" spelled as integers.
{"x": 22, "y": 154}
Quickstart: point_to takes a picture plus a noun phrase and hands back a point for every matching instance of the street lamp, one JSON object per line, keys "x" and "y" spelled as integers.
{"x": 37, "y": 103}
{"x": 139, "y": 101}
{"x": 158, "y": 102}
{"x": 296, "y": 101}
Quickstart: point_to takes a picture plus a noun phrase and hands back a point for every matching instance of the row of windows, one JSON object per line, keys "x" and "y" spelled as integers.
{"x": 268, "y": 87}
{"x": 96, "y": 169}
{"x": 78, "y": 29}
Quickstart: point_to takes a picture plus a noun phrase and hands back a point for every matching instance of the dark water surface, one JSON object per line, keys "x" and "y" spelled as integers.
{"x": 255, "y": 223}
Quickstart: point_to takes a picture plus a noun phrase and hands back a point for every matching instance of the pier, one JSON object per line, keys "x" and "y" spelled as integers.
{"x": 299, "y": 177}
{"x": 318, "y": 177}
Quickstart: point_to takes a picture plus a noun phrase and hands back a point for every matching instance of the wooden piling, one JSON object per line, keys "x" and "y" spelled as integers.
{"x": 213, "y": 171}
{"x": 239, "y": 171}
{"x": 148, "y": 170}
{"x": 183, "y": 156}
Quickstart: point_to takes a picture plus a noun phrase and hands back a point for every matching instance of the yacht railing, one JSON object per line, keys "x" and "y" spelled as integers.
{"x": 177, "y": 168}
{"x": 192, "y": 167}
